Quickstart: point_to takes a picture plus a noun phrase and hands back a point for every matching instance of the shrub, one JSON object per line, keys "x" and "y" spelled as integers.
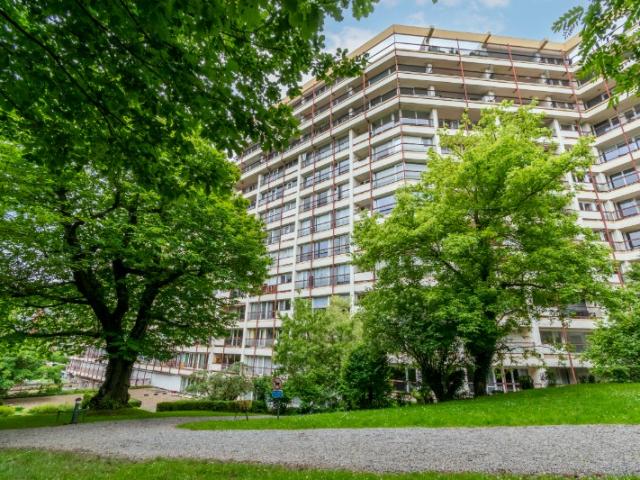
{"x": 6, "y": 411}
{"x": 210, "y": 405}
{"x": 135, "y": 403}
{"x": 52, "y": 408}
{"x": 366, "y": 378}
{"x": 218, "y": 386}
{"x": 526, "y": 382}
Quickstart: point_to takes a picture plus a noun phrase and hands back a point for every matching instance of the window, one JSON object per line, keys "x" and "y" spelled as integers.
{"x": 284, "y": 305}
{"x": 633, "y": 239}
{"x": 628, "y": 208}
{"x": 342, "y": 217}
{"x": 410, "y": 117}
{"x": 341, "y": 244}
{"x": 388, "y": 176}
{"x": 303, "y": 279}
{"x": 322, "y": 277}
{"x": 414, "y": 170}
{"x": 587, "y": 206}
{"x": 321, "y": 249}
{"x": 621, "y": 179}
{"x": 285, "y": 278}
{"x": 384, "y": 205}
{"x": 322, "y": 222}
{"x": 304, "y": 252}
{"x": 319, "y": 302}
{"x": 341, "y": 274}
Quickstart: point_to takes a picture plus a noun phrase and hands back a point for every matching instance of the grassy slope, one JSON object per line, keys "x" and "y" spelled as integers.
{"x": 39, "y": 465}
{"x": 580, "y": 404}
{"x": 50, "y": 420}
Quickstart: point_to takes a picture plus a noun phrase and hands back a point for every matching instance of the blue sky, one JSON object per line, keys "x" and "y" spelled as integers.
{"x": 517, "y": 18}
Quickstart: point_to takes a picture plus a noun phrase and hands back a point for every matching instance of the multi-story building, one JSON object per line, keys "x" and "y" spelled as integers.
{"x": 363, "y": 138}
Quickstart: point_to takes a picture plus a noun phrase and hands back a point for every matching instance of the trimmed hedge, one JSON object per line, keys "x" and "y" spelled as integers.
{"x": 6, "y": 410}
{"x": 50, "y": 408}
{"x": 211, "y": 405}
{"x": 135, "y": 403}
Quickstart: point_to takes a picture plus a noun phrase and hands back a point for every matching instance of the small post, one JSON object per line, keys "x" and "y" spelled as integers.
{"x": 76, "y": 411}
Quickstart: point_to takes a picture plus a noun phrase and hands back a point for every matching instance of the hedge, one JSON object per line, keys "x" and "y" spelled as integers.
{"x": 211, "y": 405}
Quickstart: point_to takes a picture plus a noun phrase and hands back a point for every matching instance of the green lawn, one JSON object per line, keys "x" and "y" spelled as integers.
{"x": 42, "y": 465}
{"x": 49, "y": 420}
{"x": 579, "y": 404}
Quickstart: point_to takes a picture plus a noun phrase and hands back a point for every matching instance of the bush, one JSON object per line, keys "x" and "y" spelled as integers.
{"x": 50, "y": 409}
{"x": 210, "y": 405}
{"x": 6, "y": 411}
{"x": 366, "y": 378}
{"x": 135, "y": 403}
{"x": 526, "y": 382}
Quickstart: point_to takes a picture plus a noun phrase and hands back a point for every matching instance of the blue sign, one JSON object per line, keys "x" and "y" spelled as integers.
{"x": 277, "y": 394}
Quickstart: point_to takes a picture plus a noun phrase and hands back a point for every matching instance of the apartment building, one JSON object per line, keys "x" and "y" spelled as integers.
{"x": 363, "y": 138}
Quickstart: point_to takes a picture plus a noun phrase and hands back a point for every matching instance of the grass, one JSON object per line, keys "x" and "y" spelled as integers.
{"x": 51, "y": 419}
{"x": 578, "y": 404}
{"x": 44, "y": 465}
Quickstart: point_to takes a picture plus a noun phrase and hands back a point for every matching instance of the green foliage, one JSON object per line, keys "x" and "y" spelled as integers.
{"x": 22, "y": 362}
{"x": 609, "y": 41}
{"x": 614, "y": 347}
{"x": 135, "y": 403}
{"x": 210, "y": 405}
{"x": 6, "y": 410}
{"x": 117, "y": 212}
{"x": 50, "y": 408}
{"x": 526, "y": 382}
{"x": 128, "y": 81}
{"x": 311, "y": 349}
{"x": 481, "y": 245}
{"x": 227, "y": 385}
{"x": 366, "y": 378}
{"x": 261, "y": 394}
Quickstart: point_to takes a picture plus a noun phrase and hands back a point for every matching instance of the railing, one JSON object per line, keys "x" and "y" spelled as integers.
{"x": 324, "y": 226}
{"x": 270, "y": 315}
{"x": 323, "y": 253}
{"x": 259, "y": 342}
{"x": 325, "y": 200}
{"x": 324, "y": 281}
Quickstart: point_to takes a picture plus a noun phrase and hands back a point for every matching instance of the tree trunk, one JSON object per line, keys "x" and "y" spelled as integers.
{"x": 114, "y": 391}
{"x": 483, "y": 361}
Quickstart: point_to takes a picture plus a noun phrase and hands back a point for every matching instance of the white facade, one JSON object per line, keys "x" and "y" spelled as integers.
{"x": 365, "y": 137}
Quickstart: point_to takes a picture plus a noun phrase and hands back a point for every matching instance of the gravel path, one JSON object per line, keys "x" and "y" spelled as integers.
{"x": 584, "y": 449}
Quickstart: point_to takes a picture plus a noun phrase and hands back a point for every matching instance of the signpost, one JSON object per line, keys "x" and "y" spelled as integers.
{"x": 277, "y": 394}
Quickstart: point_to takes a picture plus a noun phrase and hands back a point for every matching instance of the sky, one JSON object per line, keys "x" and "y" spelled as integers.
{"x": 516, "y": 18}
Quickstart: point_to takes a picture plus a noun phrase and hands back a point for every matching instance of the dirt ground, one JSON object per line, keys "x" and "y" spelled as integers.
{"x": 149, "y": 396}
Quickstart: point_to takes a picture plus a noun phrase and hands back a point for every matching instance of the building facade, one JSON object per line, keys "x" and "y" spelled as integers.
{"x": 363, "y": 138}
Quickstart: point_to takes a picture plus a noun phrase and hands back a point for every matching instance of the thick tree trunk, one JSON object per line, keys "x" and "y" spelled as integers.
{"x": 114, "y": 391}
{"x": 483, "y": 361}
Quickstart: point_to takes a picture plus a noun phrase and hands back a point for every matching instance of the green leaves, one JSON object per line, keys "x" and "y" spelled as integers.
{"x": 482, "y": 244}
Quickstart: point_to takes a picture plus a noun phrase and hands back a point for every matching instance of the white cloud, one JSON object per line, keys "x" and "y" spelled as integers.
{"x": 494, "y": 3}
{"x": 417, "y": 18}
{"x": 348, "y": 37}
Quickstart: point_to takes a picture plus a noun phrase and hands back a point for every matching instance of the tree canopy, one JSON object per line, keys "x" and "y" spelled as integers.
{"x": 311, "y": 348}
{"x": 91, "y": 256}
{"x": 485, "y": 240}
{"x": 130, "y": 80}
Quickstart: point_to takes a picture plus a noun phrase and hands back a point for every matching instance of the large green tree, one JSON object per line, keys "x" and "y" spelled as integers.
{"x": 129, "y": 80}
{"x": 118, "y": 221}
{"x": 489, "y": 224}
{"x": 311, "y": 348}
{"x": 90, "y": 256}
{"x": 609, "y": 41}
{"x": 21, "y": 362}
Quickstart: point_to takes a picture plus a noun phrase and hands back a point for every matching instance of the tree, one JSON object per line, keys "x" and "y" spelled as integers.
{"x": 128, "y": 81}
{"x": 609, "y": 41}
{"x": 407, "y": 318}
{"x": 22, "y": 362}
{"x": 91, "y": 256}
{"x": 118, "y": 222}
{"x": 227, "y": 385}
{"x": 366, "y": 377}
{"x": 489, "y": 226}
{"x": 614, "y": 347}
{"x": 311, "y": 348}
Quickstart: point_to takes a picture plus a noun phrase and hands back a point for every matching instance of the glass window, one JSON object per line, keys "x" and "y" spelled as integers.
{"x": 319, "y": 302}
{"x": 322, "y": 277}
